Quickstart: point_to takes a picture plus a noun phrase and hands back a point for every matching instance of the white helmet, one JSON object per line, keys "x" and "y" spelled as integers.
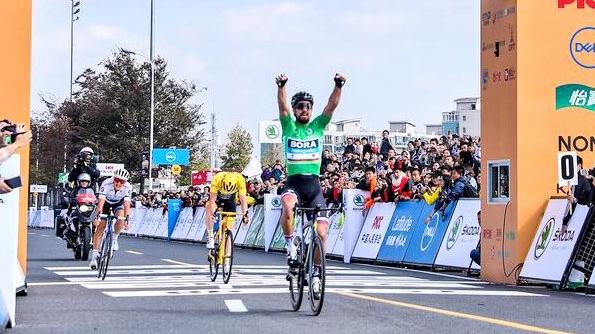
{"x": 83, "y": 177}
{"x": 87, "y": 149}
{"x": 122, "y": 174}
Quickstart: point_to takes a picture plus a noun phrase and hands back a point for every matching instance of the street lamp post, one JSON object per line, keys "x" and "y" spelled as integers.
{"x": 152, "y": 110}
{"x": 74, "y": 10}
{"x": 152, "y": 103}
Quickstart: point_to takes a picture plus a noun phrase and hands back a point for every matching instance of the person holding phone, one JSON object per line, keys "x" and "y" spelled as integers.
{"x": 13, "y": 137}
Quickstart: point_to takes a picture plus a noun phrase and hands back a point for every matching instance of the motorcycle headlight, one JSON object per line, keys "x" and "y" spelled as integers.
{"x": 84, "y": 208}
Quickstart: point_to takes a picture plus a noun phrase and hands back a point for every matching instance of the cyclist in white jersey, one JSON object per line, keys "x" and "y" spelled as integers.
{"x": 115, "y": 193}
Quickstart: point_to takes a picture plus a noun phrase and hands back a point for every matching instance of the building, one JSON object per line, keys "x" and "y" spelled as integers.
{"x": 465, "y": 120}
{"x": 434, "y": 129}
{"x": 401, "y": 133}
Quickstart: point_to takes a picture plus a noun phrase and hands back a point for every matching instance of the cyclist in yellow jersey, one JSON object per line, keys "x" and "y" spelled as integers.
{"x": 225, "y": 187}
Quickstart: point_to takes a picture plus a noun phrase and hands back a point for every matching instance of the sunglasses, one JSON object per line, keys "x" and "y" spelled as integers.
{"x": 303, "y": 105}
{"x": 116, "y": 180}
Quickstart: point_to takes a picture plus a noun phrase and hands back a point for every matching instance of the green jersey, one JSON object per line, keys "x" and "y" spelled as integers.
{"x": 303, "y": 144}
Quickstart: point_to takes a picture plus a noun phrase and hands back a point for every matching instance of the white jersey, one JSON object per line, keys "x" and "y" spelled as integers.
{"x": 112, "y": 196}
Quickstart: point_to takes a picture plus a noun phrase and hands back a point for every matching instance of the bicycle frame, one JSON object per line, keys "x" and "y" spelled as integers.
{"x": 225, "y": 220}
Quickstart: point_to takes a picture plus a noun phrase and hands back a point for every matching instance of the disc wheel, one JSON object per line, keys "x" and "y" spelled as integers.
{"x": 296, "y": 280}
{"x": 316, "y": 279}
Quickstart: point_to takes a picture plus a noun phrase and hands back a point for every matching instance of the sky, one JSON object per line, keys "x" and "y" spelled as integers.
{"x": 405, "y": 60}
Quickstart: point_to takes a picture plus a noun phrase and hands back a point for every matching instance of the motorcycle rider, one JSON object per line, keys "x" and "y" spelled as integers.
{"x": 85, "y": 162}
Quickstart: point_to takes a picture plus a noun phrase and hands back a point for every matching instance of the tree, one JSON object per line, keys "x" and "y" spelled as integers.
{"x": 111, "y": 114}
{"x": 238, "y": 149}
{"x": 272, "y": 153}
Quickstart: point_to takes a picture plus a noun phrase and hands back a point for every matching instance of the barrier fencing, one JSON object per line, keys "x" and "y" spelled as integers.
{"x": 400, "y": 233}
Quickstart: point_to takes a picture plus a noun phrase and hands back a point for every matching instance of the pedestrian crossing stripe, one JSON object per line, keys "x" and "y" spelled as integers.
{"x": 193, "y": 280}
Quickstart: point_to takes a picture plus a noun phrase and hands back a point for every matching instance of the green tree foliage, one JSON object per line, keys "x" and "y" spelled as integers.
{"x": 111, "y": 114}
{"x": 238, "y": 149}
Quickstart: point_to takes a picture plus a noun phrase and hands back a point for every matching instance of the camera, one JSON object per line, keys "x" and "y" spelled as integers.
{"x": 12, "y": 128}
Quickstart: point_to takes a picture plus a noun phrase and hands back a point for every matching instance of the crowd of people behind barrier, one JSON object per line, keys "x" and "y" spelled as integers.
{"x": 437, "y": 171}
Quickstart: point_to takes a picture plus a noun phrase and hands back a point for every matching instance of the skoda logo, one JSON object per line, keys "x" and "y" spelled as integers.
{"x": 582, "y": 47}
{"x": 170, "y": 156}
{"x": 358, "y": 200}
{"x": 276, "y": 202}
{"x": 272, "y": 131}
{"x": 454, "y": 233}
{"x": 429, "y": 232}
{"x": 544, "y": 238}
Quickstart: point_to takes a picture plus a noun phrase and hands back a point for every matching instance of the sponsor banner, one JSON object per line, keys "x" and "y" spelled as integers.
{"x": 461, "y": 236}
{"x": 269, "y": 132}
{"x": 272, "y": 214}
{"x": 201, "y": 232}
{"x": 154, "y": 216}
{"x": 108, "y": 169}
{"x": 400, "y": 231}
{"x": 575, "y": 96}
{"x": 550, "y": 251}
{"x": 38, "y": 188}
{"x": 427, "y": 237}
{"x": 336, "y": 224}
{"x": 278, "y": 243}
{"x": 372, "y": 234}
{"x": 200, "y": 177}
{"x": 46, "y": 217}
{"x": 33, "y": 217}
{"x": 174, "y": 209}
{"x": 255, "y": 227}
{"x": 170, "y": 156}
{"x": 137, "y": 219}
{"x": 353, "y": 202}
{"x": 242, "y": 230}
{"x": 183, "y": 225}
{"x": 259, "y": 215}
{"x": 197, "y": 228}
{"x": 162, "y": 229}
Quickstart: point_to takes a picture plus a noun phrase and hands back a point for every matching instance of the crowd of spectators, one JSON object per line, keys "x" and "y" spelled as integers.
{"x": 427, "y": 170}
{"x": 438, "y": 171}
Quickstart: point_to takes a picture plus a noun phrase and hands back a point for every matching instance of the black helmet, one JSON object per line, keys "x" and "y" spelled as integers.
{"x": 301, "y": 96}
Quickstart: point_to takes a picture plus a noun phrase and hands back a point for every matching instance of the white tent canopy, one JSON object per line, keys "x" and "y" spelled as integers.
{"x": 253, "y": 169}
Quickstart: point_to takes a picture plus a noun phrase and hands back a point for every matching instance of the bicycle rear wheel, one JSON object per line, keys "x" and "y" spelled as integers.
{"x": 296, "y": 280}
{"x": 316, "y": 287}
{"x": 105, "y": 255}
{"x": 228, "y": 258}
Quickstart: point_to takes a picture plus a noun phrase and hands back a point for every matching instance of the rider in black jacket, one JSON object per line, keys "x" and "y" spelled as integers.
{"x": 85, "y": 162}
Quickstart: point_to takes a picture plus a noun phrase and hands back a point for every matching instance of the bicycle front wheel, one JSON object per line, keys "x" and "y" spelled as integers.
{"x": 213, "y": 263}
{"x": 296, "y": 279}
{"x": 316, "y": 277}
{"x": 105, "y": 255}
{"x": 228, "y": 258}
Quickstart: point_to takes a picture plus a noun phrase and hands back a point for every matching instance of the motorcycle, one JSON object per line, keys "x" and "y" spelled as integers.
{"x": 76, "y": 228}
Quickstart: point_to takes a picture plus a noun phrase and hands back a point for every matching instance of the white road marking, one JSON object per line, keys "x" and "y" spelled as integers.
{"x": 202, "y": 292}
{"x": 177, "y": 262}
{"x": 235, "y": 305}
{"x": 134, "y": 252}
{"x": 189, "y": 270}
{"x": 188, "y": 280}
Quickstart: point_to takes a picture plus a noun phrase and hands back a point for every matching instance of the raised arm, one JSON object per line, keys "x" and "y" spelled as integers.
{"x": 284, "y": 109}
{"x": 335, "y": 98}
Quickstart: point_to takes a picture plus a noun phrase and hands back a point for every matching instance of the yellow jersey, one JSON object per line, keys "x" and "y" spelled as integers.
{"x": 231, "y": 177}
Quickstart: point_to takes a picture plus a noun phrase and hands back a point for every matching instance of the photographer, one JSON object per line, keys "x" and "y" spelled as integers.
{"x": 13, "y": 137}
{"x": 85, "y": 162}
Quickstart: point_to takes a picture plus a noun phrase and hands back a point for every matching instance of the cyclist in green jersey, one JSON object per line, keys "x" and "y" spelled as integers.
{"x": 303, "y": 141}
